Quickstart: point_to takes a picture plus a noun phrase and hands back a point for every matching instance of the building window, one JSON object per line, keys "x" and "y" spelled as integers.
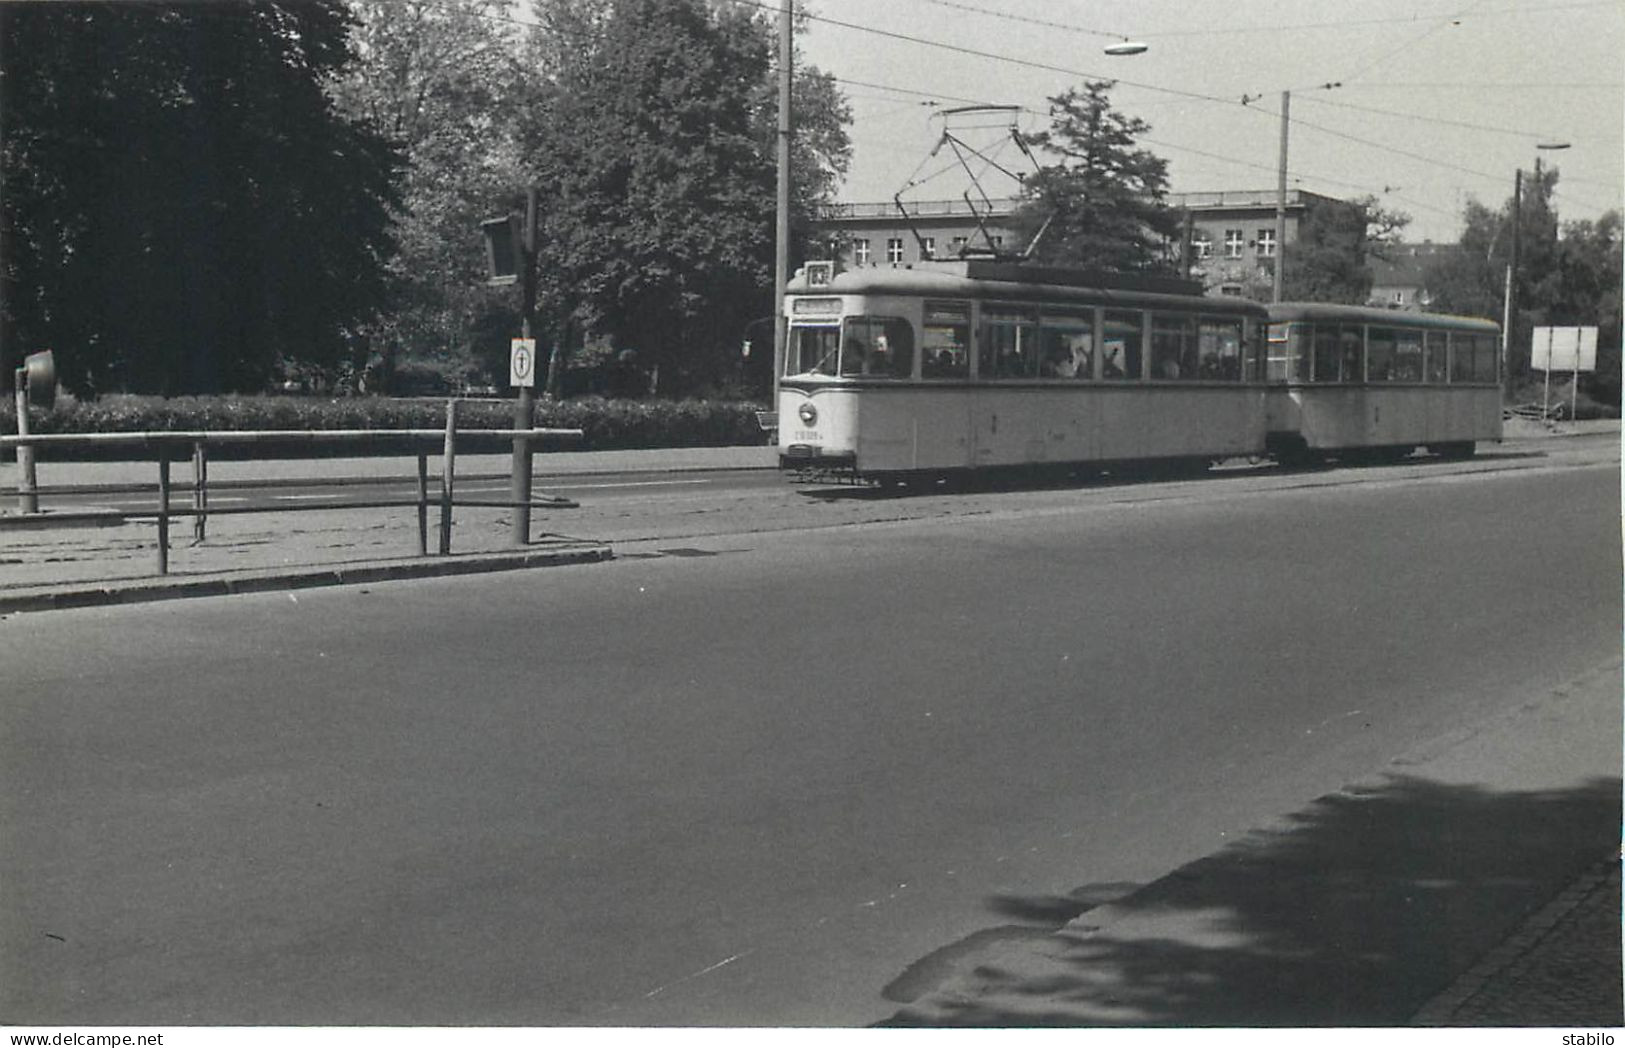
{"x": 860, "y": 251}
{"x": 1266, "y": 243}
{"x": 1233, "y": 243}
{"x": 959, "y": 245}
{"x": 894, "y": 250}
{"x": 1202, "y": 245}
{"x": 928, "y": 247}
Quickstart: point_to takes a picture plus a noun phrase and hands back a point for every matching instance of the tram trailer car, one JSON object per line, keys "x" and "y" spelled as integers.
{"x": 1357, "y": 383}
{"x": 954, "y": 367}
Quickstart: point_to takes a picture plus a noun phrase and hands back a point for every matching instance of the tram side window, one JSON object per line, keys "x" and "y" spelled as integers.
{"x": 1121, "y": 344}
{"x": 1173, "y": 346}
{"x": 1068, "y": 343}
{"x": 812, "y": 350}
{"x": 1485, "y": 359}
{"x": 1407, "y": 355}
{"x": 1009, "y": 346}
{"x": 1461, "y": 356}
{"x": 945, "y": 345}
{"x": 1327, "y": 350}
{"x": 1255, "y": 355}
{"x": 1219, "y": 345}
{"x": 877, "y": 347}
{"x": 1281, "y": 342}
{"x": 1380, "y": 350}
{"x": 1351, "y": 342}
{"x": 1437, "y": 356}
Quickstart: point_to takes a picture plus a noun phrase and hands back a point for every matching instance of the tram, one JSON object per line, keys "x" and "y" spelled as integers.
{"x": 1357, "y": 383}
{"x": 943, "y": 368}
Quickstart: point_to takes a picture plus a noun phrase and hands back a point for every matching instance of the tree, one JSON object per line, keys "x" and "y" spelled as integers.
{"x": 443, "y": 80}
{"x": 655, "y": 154}
{"x": 183, "y": 207}
{"x": 1329, "y": 260}
{"x": 1567, "y": 274}
{"x": 1105, "y": 200}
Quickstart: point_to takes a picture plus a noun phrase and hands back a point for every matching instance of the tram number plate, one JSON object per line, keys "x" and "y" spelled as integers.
{"x": 806, "y": 434}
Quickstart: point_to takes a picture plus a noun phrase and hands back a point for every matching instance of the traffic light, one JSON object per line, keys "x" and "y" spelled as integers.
{"x": 504, "y": 250}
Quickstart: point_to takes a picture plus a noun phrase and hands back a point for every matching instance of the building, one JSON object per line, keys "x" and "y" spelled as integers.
{"x": 1399, "y": 280}
{"x": 1232, "y": 234}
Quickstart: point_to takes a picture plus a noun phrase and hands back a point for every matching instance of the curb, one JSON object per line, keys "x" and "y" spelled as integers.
{"x": 1441, "y": 1011}
{"x": 144, "y": 590}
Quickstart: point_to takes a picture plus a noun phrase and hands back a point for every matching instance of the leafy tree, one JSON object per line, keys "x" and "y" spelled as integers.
{"x": 443, "y": 80}
{"x": 1567, "y": 274}
{"x": 655, "y": 153}
{"x": 1105, "y": 200}
{"x": 1328, "y": 261}
{"x": 183, "y": 208}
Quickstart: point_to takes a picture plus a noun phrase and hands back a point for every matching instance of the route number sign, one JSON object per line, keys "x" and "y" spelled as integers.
{"x": 522, "y": 362}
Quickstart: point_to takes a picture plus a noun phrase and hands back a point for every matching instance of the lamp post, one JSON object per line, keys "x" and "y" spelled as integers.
{"x": 1511, "y": 295}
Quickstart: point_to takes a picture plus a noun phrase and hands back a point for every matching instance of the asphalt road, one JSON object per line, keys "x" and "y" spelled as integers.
{"x": 770, "y": 777}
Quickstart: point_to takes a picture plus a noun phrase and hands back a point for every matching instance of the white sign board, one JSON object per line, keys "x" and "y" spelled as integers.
{"x": 1563, "y": 349}
{"x": 522, "y": 362}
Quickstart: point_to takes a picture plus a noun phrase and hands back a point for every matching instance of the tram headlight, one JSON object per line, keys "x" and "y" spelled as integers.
{"x": 808, "y": 414}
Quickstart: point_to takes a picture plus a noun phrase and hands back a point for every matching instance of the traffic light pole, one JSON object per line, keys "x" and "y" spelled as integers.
{"x": 524, "y": 410}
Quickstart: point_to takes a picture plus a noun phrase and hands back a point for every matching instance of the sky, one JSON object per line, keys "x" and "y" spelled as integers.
{"x": 1433, "y": 102}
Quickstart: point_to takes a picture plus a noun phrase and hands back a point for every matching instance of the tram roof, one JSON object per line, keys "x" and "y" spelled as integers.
{"x": 1022, "y": 282}
{"x": 1330, "y": 312}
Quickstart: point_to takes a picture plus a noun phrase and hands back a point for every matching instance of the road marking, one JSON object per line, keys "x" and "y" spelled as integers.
{"x": 710, "y": 968}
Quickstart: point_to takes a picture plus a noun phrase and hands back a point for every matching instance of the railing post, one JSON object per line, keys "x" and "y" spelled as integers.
{"x": 27, "y": 487}
{"x": 423, "y": 504}
{"x": 447, "y": 466}
{"x": 163, "y": 512}
{"x": 200, "y": 489}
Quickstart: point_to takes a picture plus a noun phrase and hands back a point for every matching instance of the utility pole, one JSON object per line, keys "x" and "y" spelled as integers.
{"x": 1510, "y": 304}
{"x": 781, "y": 255}
{"x": 1280, "y": 203}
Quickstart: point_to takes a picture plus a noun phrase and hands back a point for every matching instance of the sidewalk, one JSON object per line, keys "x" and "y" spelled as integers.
{"x": 64, "y": 566}
{"x": 1475, "y": 882}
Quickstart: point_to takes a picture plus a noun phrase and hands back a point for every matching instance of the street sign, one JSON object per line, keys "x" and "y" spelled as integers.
{"x": 522, "y": 362}
{"x": 1563, "y": 349}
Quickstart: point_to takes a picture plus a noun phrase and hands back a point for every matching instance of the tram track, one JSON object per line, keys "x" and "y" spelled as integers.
{"x": 720, "y": 514}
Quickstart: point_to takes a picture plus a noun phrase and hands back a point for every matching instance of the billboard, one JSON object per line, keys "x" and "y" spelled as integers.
{"x": 1563, "y": 349}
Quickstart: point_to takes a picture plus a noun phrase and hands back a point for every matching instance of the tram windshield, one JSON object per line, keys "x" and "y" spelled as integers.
{"x": 812, "y": 350}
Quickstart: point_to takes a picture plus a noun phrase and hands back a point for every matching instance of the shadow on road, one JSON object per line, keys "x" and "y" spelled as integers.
{"x": 1356, "y": 913}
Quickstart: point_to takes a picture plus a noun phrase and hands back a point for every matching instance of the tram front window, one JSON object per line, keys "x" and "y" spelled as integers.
{"x": 812, "y": 350}
{"x": 877, "y": 347}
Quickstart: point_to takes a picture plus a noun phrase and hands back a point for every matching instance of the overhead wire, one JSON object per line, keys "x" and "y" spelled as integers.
{"x": 1156, "y": 88}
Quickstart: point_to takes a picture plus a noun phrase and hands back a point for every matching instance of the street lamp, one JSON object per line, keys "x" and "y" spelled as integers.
{"x": 1512, "y": 262}
{"x": 1127, "y": 47}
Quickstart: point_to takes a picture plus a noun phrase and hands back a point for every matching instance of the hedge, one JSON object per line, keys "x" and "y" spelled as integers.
{"x": 605, "y": 423}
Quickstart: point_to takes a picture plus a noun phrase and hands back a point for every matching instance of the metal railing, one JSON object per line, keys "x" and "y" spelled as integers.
{"x": 169, "y": 446}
